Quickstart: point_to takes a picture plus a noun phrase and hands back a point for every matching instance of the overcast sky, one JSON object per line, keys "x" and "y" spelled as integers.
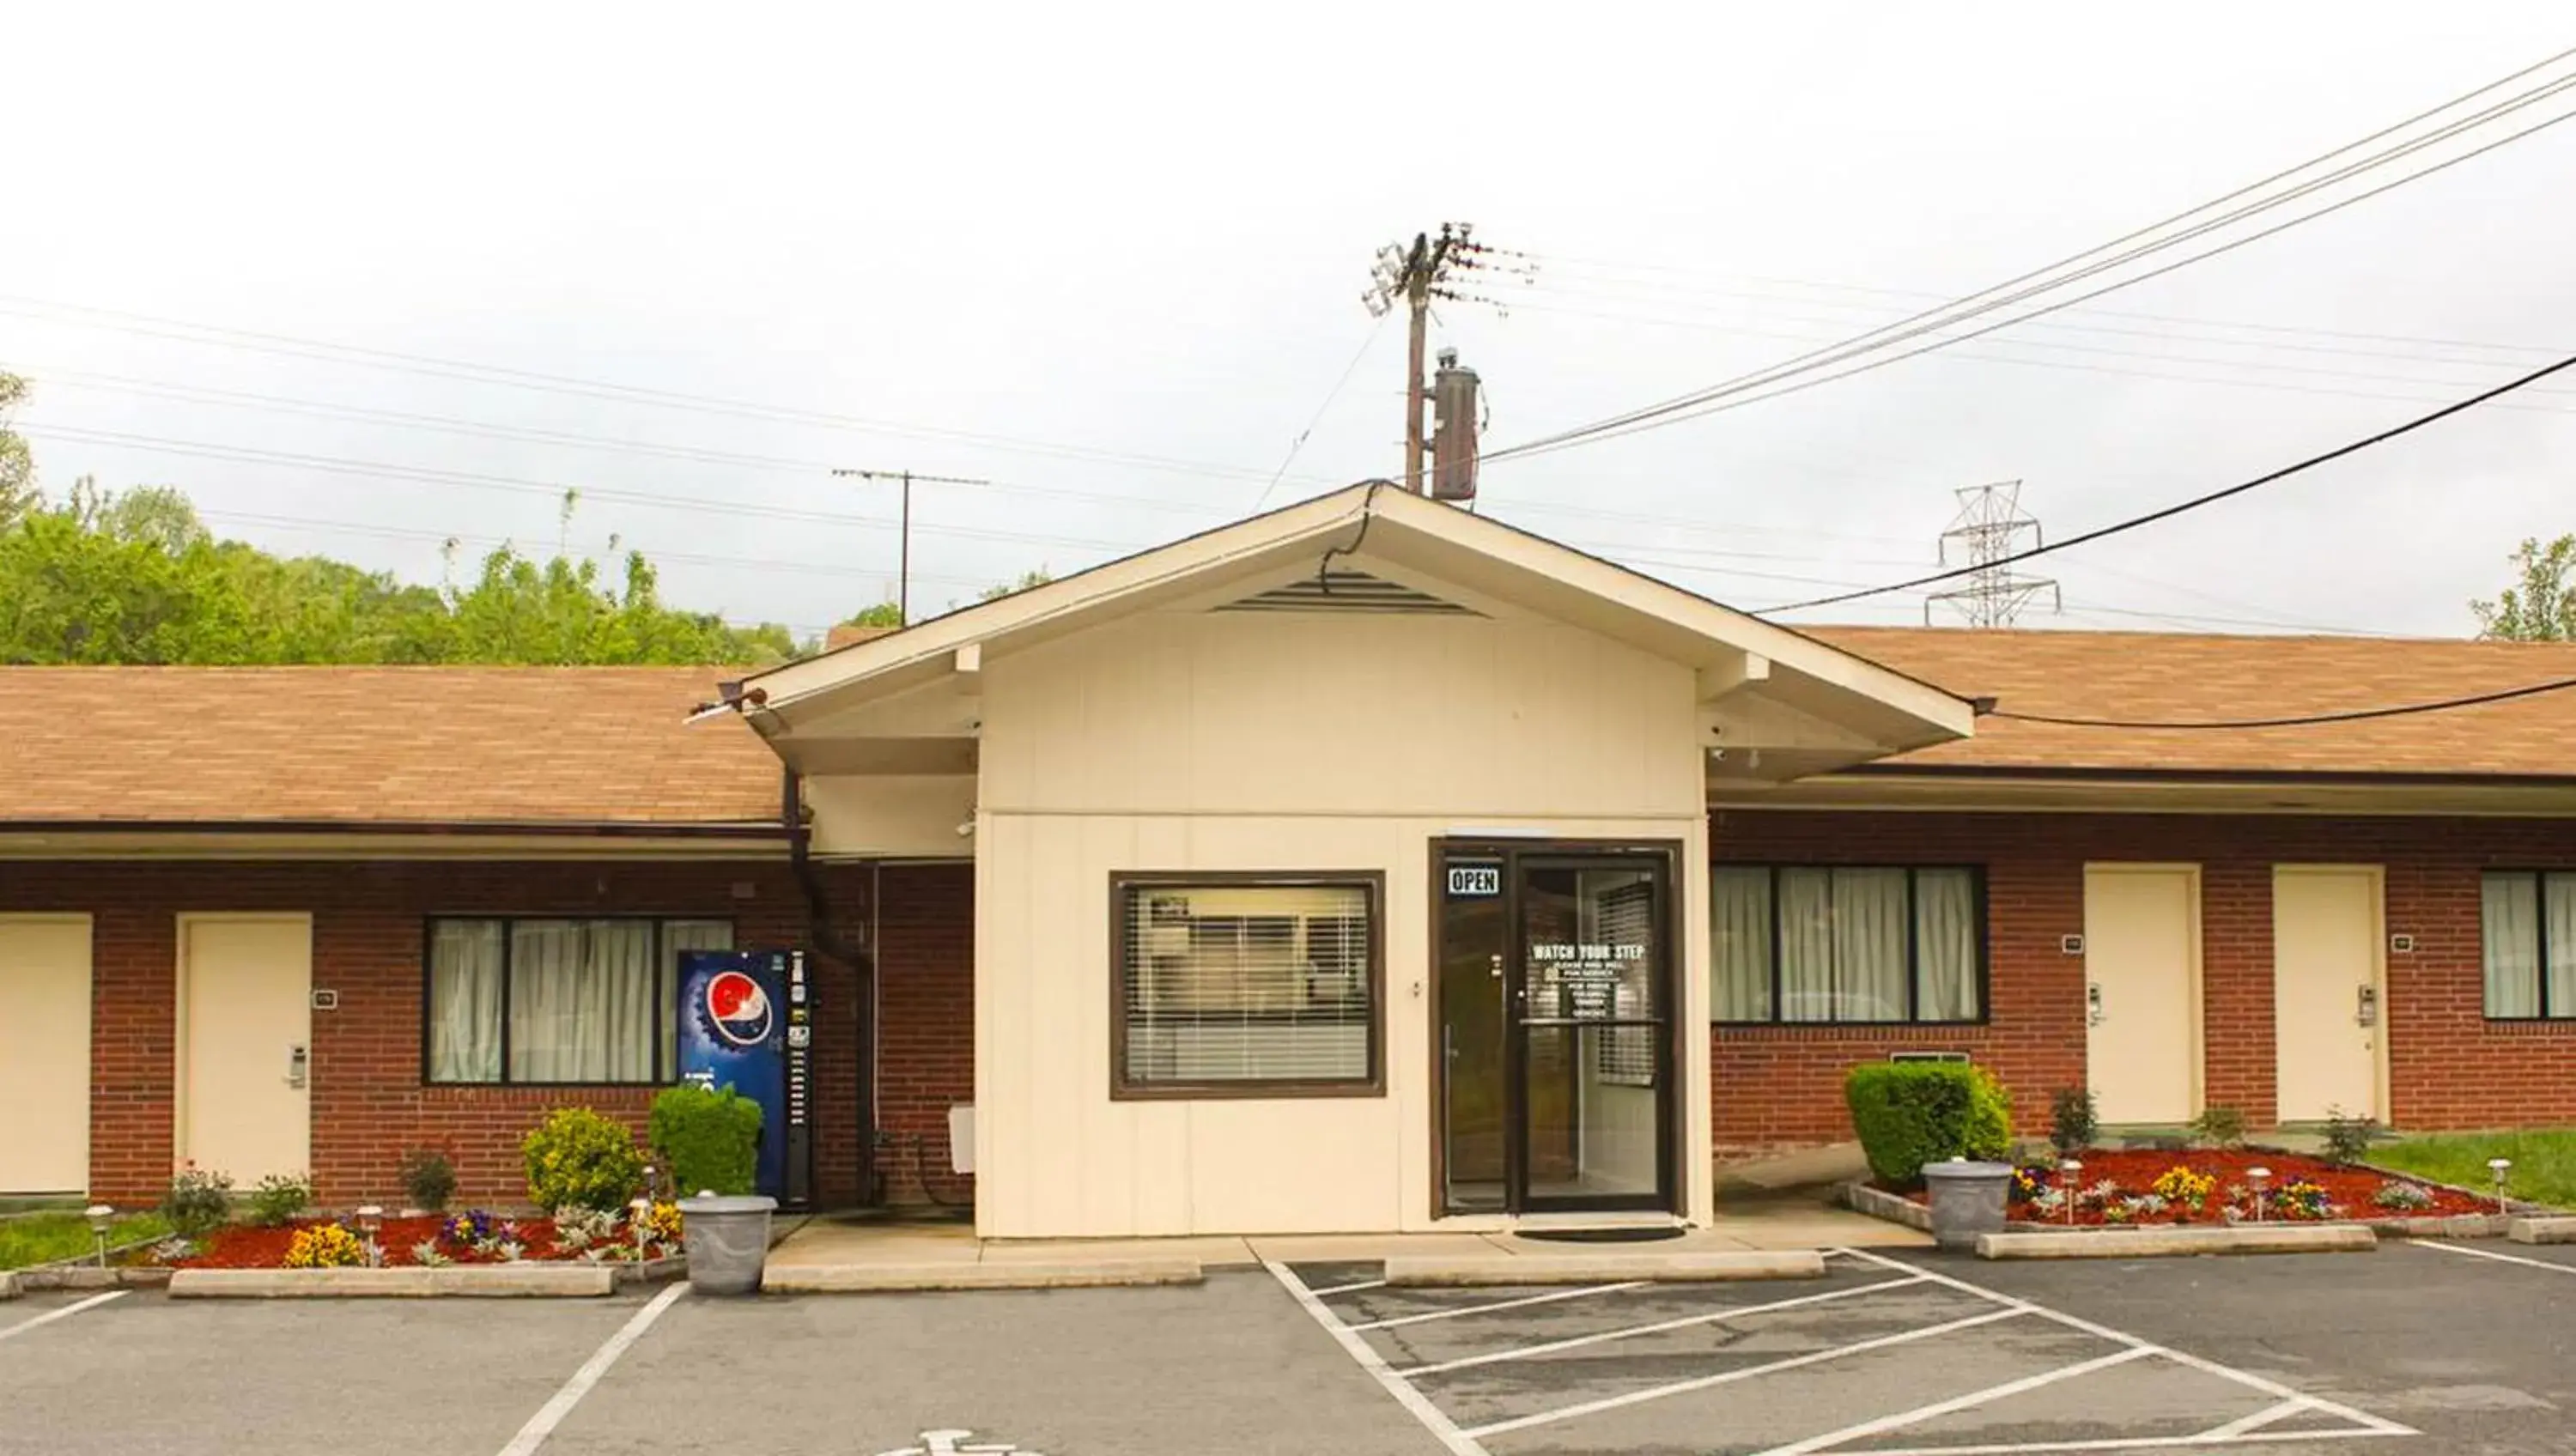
{"x": 1110, "y": 260}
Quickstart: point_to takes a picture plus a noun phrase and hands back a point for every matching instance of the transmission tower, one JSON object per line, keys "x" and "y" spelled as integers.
{"x": 1988, "y": 532}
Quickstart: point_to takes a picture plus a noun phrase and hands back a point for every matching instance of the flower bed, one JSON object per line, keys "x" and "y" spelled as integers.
{"x": 2128, "y": 1187}
{"x": 467, "y": 1238}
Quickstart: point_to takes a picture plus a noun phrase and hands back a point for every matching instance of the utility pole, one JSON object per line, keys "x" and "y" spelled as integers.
{"x": 1418, "y": 274}
{"x": 1988, "y": 528}
{"x": 903, "y": 567}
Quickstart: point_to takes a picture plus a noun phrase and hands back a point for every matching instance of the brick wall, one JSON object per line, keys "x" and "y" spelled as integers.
{"x": 369, "y": 1103}
{"x": 2448, "y": 1066}
{"x": 926, "y": 1055}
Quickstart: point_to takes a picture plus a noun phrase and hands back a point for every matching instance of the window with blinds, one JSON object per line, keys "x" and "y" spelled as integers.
{"x": 1244, "y": 987}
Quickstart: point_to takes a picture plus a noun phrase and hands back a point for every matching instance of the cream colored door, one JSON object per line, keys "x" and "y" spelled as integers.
{"x": 245, "y": 1042}
{"x": 44, "y": 1053}
{"x": 2142, "y": 991}
{"x": 2326, "y": 990}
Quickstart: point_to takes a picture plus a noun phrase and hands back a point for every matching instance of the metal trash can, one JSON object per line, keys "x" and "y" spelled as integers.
{"x": 727, "y": 1237}
{"x": 1967, "y": 1200}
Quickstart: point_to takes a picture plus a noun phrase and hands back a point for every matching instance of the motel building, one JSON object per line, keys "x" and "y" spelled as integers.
{"x": 1366, "y": 865}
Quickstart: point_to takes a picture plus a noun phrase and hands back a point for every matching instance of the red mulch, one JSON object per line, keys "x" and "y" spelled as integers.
{"x": 2135, "y": 1170}
{"x": 240, "y": 1246}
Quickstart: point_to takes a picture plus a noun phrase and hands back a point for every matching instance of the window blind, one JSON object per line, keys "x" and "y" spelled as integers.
{"x": 1246, "y": 983}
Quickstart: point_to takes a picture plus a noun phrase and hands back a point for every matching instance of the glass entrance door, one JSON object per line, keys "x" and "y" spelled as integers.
{"x": 1555, "y": 1027}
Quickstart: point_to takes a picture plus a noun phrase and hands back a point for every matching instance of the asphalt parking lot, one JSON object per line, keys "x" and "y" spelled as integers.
{"x": 2411, "y": 1349}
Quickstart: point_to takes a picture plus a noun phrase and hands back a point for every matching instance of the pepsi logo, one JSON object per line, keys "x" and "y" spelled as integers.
{"x": 738, "y": 1009}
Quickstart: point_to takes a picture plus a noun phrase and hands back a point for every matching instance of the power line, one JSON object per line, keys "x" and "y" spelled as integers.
{"x": 219, "y": 336}
{"x": 2182, "y": 327}
{"x": 1786, "y": 373}
{"x": 1330, "y": 395}
{"x": 2310, "y": 720}
{"x": 2196, "y": 502}
{"x": 472, "y": 480}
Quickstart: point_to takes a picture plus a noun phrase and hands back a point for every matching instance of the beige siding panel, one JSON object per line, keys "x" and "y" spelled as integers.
{"x": 1690, "y": 980}
{"x": 1067, "y": 1161}
{"x": 2326, "y": 940}
{"x": 896, "y": 816}
{"x": 44, "y": 1053}
{"x": 1250, "y": 713}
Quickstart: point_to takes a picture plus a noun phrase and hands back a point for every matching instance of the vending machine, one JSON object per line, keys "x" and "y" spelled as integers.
{"x": 746, "y": 1021}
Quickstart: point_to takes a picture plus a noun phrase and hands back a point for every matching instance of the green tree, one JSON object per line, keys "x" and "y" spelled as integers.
{"x": 883, "y": 614}
{"x": 17, "y": 465}
{"x": 2541, "y": 605}
{"x": 135, "y": 577}
{"x": 1034, "y": 576}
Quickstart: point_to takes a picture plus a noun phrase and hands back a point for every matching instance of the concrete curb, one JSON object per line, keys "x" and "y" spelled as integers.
{"x": 495, "y": 1281}
{"x": 2543, "y": 1231}
{"x": 8, "y": 1286}
{"x": 90, "y": 1276}
{"x": 1418, "y": 1270}
{"x": 2160, "y": 1243}
{"x": 1033, "y": 1274}
{"x": 1879, "y": 1203}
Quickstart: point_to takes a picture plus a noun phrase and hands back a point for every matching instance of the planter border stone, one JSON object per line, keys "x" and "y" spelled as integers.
{"x": 1860, "y": 1197}
{"x": 904, "y": 1278}
{"x": 2161, "y": 1241}
{"x": 494, "y": 1281}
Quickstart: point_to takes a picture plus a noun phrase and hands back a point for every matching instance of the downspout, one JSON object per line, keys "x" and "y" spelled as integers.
{"x": 823, "y": 936}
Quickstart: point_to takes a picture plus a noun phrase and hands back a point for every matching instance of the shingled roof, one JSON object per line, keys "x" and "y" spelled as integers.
{"x": 376, "y": 746}
{"x": 2164, "y": 677}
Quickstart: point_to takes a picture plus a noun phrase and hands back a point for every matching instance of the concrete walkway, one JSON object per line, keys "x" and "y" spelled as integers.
{"x": 1788, "y": 1223}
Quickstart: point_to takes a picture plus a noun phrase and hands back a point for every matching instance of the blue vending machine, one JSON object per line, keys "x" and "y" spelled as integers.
{"x": 746, "y": 1020}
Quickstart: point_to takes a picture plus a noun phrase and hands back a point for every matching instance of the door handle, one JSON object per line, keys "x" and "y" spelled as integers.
{"x": 2366, "y": 1009}
{"x": 299, "y": 1064}
{"x": 2093, "y": 1003}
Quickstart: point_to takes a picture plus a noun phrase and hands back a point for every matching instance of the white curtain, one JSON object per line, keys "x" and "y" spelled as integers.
{"x": 1807, "y": 946}
{"x": 582, "y": 1001}
{"x": 1945, "y": 945}
{"x": 1869, "y": 945}
{"x": 1740, "y": 956}
{"x": 465, "y": 1001}
{"x": 2510, "y": 921}
{"x": 678, "y": 937}
{"x": 2559, "y": 910}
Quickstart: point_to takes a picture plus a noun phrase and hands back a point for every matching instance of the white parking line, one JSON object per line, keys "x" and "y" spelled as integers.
{"x": 1350, "y": 1288}
{"x": 2004, "y": 1391}
{"x": 2201, "y": 1442}
{"x": 1727, "y": 1377}
{"x": 2489, "y": 1254}
{"x": 2264, "y": 1417}
{"x": 551, "y": 1414}
{"x": 2377, "y": 1425}
{"x": 1412, "y": 1372}
{"x": 1548, "y": 1298}
{"x": 66, "y": 1312}
{"x": 1433, "y": 1419}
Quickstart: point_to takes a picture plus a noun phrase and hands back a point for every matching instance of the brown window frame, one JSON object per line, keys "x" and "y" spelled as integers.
{"x": 1371, "y": 883}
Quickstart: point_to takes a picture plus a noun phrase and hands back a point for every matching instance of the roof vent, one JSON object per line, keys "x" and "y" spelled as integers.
{"x": 1348, "y": 591}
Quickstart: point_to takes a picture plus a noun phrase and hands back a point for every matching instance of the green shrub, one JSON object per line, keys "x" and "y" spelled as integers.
{"x": 278, "y": 1198}
{"x": 2348, "y": 1139}
{"x": 197, "y": 1201}
{"x": 2072, "y": 1122}
{"x": 579, "y": 1159}
{"x": 428, "y": 1179}
{"x": 2220, "y": 1127}
{"x": 707, "y": 1138}
{"x": 1912, "y": 1113}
